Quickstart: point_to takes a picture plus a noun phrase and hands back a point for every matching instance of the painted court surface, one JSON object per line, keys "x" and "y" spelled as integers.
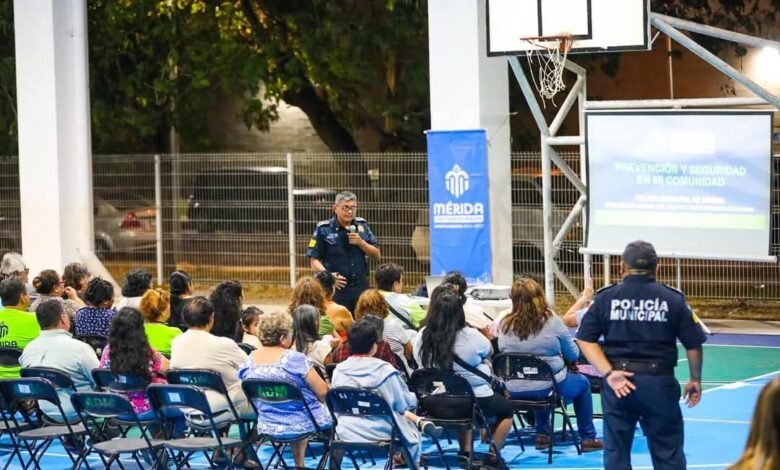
{"x": 735, "y": 369}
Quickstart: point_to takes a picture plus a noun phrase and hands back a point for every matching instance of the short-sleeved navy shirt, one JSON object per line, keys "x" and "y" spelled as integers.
{"x": 330, "y": 245}
{"x": 641, "y": 319}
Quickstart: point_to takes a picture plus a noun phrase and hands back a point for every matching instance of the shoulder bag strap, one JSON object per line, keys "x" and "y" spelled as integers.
{"x": 403, "y": 319}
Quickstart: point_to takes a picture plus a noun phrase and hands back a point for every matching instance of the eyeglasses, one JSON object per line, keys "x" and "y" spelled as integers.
{"x": 348, "y": 208}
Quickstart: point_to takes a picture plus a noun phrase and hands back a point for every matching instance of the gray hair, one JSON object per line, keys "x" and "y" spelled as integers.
{"x": 345, "y": 196}
{"x": 273, "y": 327}
{"x": 12, "y": 263}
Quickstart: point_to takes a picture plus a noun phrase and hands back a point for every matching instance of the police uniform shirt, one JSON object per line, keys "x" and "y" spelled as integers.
{"x": 330, "y": 244}
{"x": 641, "y": 319}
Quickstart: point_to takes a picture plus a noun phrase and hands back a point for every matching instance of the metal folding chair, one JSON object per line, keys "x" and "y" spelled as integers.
{"x": 526, "y": 367}
{"x": 278, "y": 393}
{"x": 247, "y": 348}
{"x": 36, "y": 440}
{"x": 96, "y": 342}
{"x": 362, "y": 403}
{"x": 94, "y": 409}
{"x": 186, "y": 398}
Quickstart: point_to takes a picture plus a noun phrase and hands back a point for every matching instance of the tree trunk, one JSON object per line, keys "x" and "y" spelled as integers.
{"x": 323, "y": 119}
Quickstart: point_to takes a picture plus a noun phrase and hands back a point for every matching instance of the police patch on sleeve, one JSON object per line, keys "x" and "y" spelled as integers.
{"x": 312, "y": 243}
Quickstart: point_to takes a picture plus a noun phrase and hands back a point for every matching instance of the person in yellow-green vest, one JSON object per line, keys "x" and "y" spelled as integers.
{"x": 17, "y": 326}
{"x": 155, "y": 308}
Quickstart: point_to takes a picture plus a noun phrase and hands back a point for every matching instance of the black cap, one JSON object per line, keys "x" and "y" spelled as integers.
{"x": 640, "y": 255}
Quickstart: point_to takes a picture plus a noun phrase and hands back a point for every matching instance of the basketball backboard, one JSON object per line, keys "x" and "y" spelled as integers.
{"x": 595, "y": 25}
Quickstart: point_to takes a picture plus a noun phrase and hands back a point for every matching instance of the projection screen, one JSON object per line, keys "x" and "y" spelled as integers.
{"x": 696, "y": 184}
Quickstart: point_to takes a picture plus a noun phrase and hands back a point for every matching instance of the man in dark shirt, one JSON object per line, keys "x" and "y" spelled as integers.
{"x": 340, "y": 245}
{"x": 641, "y": 321}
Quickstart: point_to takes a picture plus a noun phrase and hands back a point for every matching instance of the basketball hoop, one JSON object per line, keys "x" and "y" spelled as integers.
{"x": 549, "y": 53}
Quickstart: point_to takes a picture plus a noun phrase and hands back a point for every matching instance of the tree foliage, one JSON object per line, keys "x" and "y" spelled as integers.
{"x": 351, "y": 65}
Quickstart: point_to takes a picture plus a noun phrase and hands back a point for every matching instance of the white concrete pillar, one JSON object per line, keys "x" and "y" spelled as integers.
{"x": 470, "y": 90}
{"x": 55, "y": 157}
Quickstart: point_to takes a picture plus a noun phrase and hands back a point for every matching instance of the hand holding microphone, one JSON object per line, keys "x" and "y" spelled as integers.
{"x": 354, "y": 236}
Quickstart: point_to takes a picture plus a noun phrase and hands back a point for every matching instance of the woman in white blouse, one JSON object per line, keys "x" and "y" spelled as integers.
{"x": 306, "y": 323}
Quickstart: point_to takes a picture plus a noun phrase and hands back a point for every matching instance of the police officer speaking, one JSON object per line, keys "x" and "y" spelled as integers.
{"x": 641, "y": 321}
{"x": 340, "y": 245}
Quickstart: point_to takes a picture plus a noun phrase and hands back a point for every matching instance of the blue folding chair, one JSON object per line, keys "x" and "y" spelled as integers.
{"x": 37, "y": 440}
{"x": 188, "y": 398}
{"x": 94, "y": 409}
{"x": 362, "y": 403}
{"x": 278, "y": 393}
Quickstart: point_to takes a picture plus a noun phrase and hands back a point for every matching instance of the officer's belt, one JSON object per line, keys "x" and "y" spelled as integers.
{"x": 643, "y": 366}
{"x": 355, "y": 282}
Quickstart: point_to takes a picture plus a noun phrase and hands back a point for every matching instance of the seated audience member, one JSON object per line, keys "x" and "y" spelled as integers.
{"x": 383, "y": 352}
{"x": 49, "y": 286}
{"x": 246, "y": 329}
{"x": 363, "y": 370}
{"x": 579, "y": 308}
{"x": 446, "y": 336}
{"x": 13, "y": 265}
{"x": 55, "y": 348}
{"x": 76, "y": 275}
{"x": 197, "y": 348}
{"x": 276, "y": 361}
{"x": 226, "y": 299}
{"x": 532, "y": 328}
{"x": 337, "y": 313}
{"x": 762, "y": 449}
{"x": 137, "y": 282}
{"x": 95, "y": 318}
{"x": 307, "y": 291}
{"x": 17, "y": 325}
{"x": 475, "y": 316}
{"x": 181, "y": 290}
{"x": 128, "y": 352}
{"x": 155, "y": 308}
{"x": 305, "y": 325}
{"x": 390, "y": 282}
{"x": 371, "y": 302}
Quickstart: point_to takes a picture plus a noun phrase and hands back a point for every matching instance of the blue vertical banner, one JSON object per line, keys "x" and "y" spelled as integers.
{"x": 459, "y": 217}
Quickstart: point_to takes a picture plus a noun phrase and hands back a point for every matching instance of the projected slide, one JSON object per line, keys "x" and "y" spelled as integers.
{"x": 695, "y": 184}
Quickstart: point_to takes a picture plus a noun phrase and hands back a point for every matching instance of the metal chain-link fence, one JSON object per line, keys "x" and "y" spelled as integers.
{"x": 227, "y": 216}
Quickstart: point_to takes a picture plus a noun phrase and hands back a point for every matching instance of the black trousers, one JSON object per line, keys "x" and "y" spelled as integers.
{"x": 655, "y": 405}
{"x": 348, "y": 295}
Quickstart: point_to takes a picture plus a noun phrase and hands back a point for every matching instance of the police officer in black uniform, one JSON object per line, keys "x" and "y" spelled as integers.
{"x": 641, "y": 321}
{"x": 340, "y": 245}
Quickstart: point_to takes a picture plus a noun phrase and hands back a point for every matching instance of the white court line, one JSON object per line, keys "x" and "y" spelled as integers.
{"x": 738, "y": 346}
{"x": 727, "y": 421}
{"x": 742, "y": 381}
{"x": 701, "y": 465}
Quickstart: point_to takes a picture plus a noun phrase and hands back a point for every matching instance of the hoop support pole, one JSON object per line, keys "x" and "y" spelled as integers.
{"x": 571, "y": 98}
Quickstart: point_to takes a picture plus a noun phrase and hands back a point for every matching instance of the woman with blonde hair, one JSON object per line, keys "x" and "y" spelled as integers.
{"x": 155, "y": 308}
{"x": 372, "y": 302}
{"x": 308, "y": 291}
{"x": 762, "y": 450}
{"x": 533, "y": 328}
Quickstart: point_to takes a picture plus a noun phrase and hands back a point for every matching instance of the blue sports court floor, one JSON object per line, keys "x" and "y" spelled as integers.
{"x": 735, "y": 369}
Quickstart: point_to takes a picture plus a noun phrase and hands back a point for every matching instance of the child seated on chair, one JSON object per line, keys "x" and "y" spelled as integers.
{"x": 364, "y": 370}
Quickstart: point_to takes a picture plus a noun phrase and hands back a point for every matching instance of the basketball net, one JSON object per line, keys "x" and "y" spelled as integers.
{"x": 549, "y": 56}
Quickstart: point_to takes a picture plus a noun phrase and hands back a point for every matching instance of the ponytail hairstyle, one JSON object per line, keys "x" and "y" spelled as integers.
{"x": 248, "y": 316}
{"x": 226, "y": 299}
{"x": 155, "y": 305}
{"x": 327, "y": 281}
{"x": 181, "y": 284}
{"x": 98, "y": 291}
{"x": 46, "y": 281}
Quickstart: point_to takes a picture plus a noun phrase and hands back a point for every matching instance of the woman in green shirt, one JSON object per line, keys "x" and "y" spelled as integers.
{"x": 155, "y": 308}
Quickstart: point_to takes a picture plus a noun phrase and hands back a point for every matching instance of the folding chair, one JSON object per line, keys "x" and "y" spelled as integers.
{"x": 187, "y": 398}
{"x": 97, "y": 342}
{"x": 277, "y": 393}
{"x": 400, "y": 362}
{"x": 11, "y": 428}
{"x": 442, "y": 397}
{"x": 37, "y": 440}
{"x": 247, "y": 348}
{"x": 211, "y": 380}
{"x": 329, "y": 371}
{"x": 122, "y": 384}
{"x": 526, "y": 367}
{"x": 362, "y": 403}
{"x": 94, "y": 409}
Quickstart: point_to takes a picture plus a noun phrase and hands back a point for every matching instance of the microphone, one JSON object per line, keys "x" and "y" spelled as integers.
{"x": 352, "y": 229}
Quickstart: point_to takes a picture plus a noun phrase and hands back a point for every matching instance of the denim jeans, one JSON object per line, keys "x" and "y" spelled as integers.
{"x": 575, "y": 389}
